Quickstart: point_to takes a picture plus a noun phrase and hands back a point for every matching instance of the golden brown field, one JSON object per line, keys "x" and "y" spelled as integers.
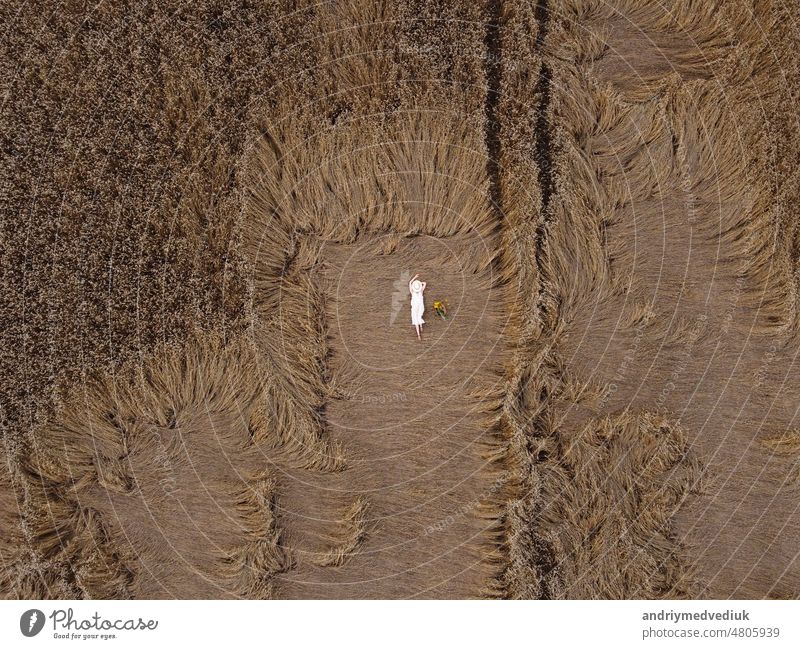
{"x": 211, "y": 212}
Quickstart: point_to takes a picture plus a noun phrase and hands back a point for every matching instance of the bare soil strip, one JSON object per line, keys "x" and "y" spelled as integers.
{"x": 411, "y": 431}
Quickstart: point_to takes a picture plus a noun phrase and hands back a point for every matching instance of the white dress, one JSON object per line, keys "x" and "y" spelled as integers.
{"x": 417, "y": 308}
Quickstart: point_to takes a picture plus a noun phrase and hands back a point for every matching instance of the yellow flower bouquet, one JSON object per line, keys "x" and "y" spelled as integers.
{"x": 440, "y": 306}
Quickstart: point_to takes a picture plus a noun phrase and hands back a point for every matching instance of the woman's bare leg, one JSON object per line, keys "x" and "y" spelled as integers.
{"x": 417, "y": 327}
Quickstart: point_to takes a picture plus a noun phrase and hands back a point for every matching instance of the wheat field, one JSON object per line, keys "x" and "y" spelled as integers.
{"x": 210, "y": 384}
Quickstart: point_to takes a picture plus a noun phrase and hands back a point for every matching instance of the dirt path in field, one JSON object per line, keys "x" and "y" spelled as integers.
{"x": 411, "y": 431}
